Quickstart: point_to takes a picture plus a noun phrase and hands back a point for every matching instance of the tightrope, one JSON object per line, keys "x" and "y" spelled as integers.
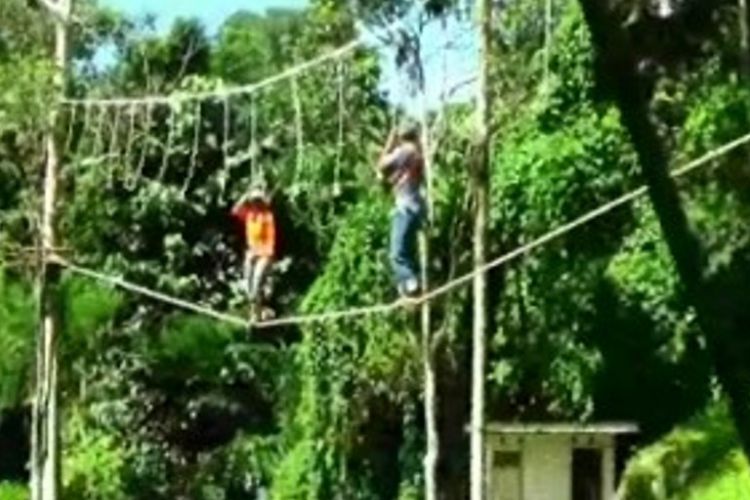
{"x": 141, "y": 290}
{"x": 386, "y": 308}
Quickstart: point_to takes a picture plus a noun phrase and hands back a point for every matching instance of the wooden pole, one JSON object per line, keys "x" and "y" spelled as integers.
{"x": 432, "y": 454}
{"x": 481, "y": 180}
{"x": 744, "y": 41}
{"x": 45, "y": 434}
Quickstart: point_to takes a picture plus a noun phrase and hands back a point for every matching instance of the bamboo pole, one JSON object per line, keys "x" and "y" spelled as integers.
{"x": 45, "y": 434}
{"x": 480, "y": 181}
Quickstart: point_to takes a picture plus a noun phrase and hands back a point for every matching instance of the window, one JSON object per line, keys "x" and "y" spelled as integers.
{"x": 587, "y": 474}
{"x": 506, "y": 476}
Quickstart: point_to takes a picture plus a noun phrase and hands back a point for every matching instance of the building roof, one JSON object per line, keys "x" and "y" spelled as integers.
{"x": 605, "y": 428}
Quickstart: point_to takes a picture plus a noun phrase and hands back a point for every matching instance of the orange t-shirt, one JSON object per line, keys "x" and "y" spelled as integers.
{"x": 260, "y": 229}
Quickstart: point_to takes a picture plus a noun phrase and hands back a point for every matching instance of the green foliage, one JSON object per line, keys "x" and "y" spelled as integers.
{"x": 165, "y": 405}
{"x": 89, "y": 313}
{"x": 17, "y": 310}
{"x": 696, "y": 457}
{"x": 94, "y": 462}
{"x": 353, "y": 374}
{"x": 12, "y": 491}
{"x": 252, "y": 47}
{"x": 730, "y": 481}
{"x": 563, "y": 156}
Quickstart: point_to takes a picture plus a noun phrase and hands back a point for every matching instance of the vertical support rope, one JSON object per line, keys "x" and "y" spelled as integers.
{"x": 86, "y": 119}
{"x": 254, "y": 140}
{"x": 547, "y": 43}
{"x": 145, "y": 146}
{"x": 227, "y": 126}
{"x": 115, "y": 132}
{"x": 128, "y": 176}
{"x": 99, "y": 137}
{"x": 167, "y": 151}
{"x": 112, "y": 156}
{"x": 194, "y": 151}
{"x": 341, "y": 81}
{"x": 132, "y": 112}
{"x": 72, "y": 116}
{"x": 299, "y": 130}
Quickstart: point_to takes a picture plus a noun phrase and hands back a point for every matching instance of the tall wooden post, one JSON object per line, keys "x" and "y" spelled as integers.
{"x": 481, "y": 181}
{"x": 432, "y": 454}
{"x": 744, "y": 40}
{"x": 45, "y": 433}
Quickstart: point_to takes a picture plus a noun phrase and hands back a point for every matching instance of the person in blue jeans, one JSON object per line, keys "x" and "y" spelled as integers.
{"x": 401, "y": 166}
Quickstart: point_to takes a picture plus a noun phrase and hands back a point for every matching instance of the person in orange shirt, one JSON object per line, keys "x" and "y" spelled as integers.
{"x": 255, "y": 214}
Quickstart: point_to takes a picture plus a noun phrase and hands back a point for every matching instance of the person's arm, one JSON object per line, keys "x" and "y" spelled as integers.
{"x": 271, "y": 221}
{"x": 239, "y": 210}
{"x": 395, "y": 161}
{"x": 386, "y": 155}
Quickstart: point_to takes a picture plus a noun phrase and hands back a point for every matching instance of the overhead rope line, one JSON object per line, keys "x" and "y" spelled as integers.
{"x": 385, "y": 308}
{"x": 222, "y": 93}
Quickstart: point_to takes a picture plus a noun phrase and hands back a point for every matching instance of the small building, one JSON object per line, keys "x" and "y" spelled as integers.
{"x": 552, "y": 461}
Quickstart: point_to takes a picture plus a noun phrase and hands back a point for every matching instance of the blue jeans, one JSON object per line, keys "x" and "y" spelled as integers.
{"x": 404, "y": 228}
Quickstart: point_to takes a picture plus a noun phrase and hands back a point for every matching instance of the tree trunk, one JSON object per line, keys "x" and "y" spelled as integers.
{"x": 45, "y": 433}
{"x": 718, "y": 299}
{"x": 480, "y": 178}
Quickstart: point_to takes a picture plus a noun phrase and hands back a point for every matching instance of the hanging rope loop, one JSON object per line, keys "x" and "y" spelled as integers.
{"x": 341, "y": 82}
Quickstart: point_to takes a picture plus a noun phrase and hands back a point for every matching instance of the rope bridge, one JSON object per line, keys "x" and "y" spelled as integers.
{"x": 387, "y": 308}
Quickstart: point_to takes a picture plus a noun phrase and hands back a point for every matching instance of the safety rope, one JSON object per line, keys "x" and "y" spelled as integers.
{"x": 446, "y": 288}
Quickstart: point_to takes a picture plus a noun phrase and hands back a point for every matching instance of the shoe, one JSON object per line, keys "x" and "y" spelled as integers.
{"x": 409, "y": 289}
{"x": 267, "y": 314}
{"x": 253, "y": 314}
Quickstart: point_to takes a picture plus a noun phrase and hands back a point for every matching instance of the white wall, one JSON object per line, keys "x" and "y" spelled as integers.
{"x": 546, "y": 461}
{"x": 546, "y": 467}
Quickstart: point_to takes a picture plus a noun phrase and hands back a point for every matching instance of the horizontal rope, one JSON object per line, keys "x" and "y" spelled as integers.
{"x": 226, "y": 92}
{"x": 431, "y": 295}
{"x": 161, "y": 297}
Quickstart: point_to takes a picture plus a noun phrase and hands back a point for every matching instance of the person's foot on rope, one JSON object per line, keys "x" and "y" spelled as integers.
{"x": 267, "y": 314}
{"x": 254, "y": 314}
{"x": 409, "y": 292}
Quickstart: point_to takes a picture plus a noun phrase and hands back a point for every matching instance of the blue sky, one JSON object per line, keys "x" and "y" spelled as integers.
{"x": 444, "y": 67}
{"x": 211, "y": 12}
